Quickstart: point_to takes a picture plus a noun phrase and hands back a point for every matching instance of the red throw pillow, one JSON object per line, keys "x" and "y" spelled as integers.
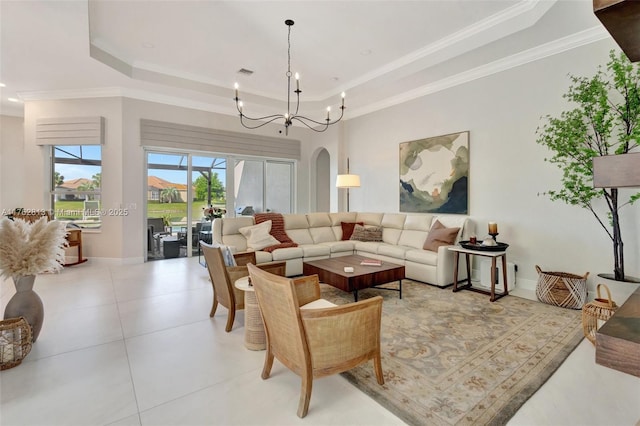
{"x": 440, "y": 236}
{"x": 347, "y": 229}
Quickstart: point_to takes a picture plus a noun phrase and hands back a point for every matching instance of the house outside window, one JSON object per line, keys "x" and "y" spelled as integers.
{"x": 76, "y": 182}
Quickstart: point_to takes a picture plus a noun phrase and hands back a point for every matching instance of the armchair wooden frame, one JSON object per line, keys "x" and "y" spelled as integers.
{"x": 315, "y": 342}
{"x": 222, "y": 279}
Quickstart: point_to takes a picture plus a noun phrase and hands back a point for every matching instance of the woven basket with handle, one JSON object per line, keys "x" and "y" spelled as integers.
{"x": 15, "y": 341}
{"x": 561, "y": 288}
{"x": 600, "y": 309}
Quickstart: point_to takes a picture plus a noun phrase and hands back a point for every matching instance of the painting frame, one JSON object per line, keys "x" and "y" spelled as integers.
{"x": 434, "y": 174}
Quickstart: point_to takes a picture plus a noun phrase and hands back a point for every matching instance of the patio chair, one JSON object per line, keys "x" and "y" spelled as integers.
{"x": 223, "y": 278}
{"x": 312, "y": 340}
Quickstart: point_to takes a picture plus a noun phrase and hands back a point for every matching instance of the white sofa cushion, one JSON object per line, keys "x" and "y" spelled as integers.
{"x": 422, "y": 256}
{"x": 391, "y": 250}
{"x": 370, "y": 218}
{"x": 297, "y": 228}
{"x": 416, "y": 228}
{"x": 287, "y": 253}
{"x": 322, "y": 234}
{"x": 392, "y": 224}
{"x": 315, "y": 250}
{"x": 336, "y": 218}
{"x": 367, "y": 246}
{"x": 317, "y": 220}
{"x": 340, "y": 246}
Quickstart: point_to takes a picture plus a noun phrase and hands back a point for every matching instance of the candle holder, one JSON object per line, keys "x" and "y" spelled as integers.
{"x": 494, "y": 235}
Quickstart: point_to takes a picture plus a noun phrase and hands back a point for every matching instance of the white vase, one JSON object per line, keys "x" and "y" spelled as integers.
{"x": 26, "y": 303}
{"x": 620, "y": 290}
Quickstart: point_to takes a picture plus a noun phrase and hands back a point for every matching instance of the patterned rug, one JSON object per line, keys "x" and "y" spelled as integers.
{"x": 458, "y": 359}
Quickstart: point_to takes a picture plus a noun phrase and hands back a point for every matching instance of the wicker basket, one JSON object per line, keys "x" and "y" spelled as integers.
{"x": 561, "y": 289}
{"x": 15, "y": 341}
{"x": 600, "y": 309}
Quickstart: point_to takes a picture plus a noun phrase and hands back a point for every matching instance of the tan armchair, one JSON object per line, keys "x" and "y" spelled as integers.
{"x": 223, "y": 277}
{"x": 315, "y": 342}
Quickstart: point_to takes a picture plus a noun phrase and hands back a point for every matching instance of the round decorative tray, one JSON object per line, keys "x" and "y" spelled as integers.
{"x": 480, "y": 247}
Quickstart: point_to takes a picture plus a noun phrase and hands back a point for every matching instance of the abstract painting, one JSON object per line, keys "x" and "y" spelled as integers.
{"x": 434, "y": 174}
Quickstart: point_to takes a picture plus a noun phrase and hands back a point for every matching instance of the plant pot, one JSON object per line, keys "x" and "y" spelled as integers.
{"x": 26, "y": 303}
{"x": 620, "y": 290}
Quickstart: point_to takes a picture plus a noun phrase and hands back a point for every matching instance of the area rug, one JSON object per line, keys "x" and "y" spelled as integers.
{"x": 458, "y": 359}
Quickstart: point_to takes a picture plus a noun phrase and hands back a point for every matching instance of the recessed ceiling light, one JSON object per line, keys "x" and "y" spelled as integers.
{"x": 13, "y": 99}
{"x": 3, "y": 85}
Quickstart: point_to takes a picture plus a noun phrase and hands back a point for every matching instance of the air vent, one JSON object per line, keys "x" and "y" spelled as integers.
{"x": 245, "y": 71}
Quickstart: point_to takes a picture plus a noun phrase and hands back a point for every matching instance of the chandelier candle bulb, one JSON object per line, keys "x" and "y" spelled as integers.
{"x": 297, "y": 82}
{"x": 328, "y": 111}
{"x": 493, "y": 228}
{"x": 236, "y": 87}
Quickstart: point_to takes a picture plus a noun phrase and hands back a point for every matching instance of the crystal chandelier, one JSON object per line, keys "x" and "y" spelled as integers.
{"x": 289, "y": 117}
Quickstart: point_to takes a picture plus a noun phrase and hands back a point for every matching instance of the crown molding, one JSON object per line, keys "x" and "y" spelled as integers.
{"x": 555, "y": 47}
{"x": 573, "y": 41}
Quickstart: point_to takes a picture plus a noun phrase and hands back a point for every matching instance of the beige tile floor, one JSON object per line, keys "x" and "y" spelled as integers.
{"x": 134, "y": 345}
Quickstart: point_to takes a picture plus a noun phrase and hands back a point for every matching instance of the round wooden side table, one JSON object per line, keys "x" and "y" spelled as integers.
{"x": 255, "y": 338}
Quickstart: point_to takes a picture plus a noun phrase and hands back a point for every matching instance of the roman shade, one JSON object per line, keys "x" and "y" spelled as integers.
{"x": 70, "y": 131}
{"x": 172, "y": 135}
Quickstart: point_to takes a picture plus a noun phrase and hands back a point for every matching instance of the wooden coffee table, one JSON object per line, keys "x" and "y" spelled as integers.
{"x": 331, "y": 271}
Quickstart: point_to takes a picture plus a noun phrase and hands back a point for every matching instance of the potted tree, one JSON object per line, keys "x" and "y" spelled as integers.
{"x": 605, "y": 121}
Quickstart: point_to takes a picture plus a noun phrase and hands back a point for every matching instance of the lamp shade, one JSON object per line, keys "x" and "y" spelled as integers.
{"x": 348, "y": 181}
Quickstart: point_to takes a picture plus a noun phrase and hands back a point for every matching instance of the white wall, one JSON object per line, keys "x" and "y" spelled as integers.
{"x": 11, "y": 163}
{"x": 507, "y": 168}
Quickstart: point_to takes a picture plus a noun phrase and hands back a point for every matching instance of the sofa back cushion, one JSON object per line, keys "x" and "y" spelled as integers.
{"x": 392, "y": 225}
{"x": 320, "y": 227}
{"x": 297, "y": 227}
{"x": 370, "y": 218}
{"x": 227, "y": 231}
{"x": 416, "y": 228}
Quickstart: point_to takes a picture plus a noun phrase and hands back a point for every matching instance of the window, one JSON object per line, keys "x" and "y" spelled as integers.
{"x": 76, "y": 184}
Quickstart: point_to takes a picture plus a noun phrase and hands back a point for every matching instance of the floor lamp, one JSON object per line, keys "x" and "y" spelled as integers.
{"x": 348, "y": 181}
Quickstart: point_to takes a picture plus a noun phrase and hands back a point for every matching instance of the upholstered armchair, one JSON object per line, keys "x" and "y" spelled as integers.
{"x": 223, "y": 277}
{"x": 311, "y": 336}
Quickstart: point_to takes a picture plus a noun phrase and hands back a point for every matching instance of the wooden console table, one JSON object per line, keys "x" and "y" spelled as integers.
{"x": 494, "y": 271}
{"x": 618, "y": 340}
{"x": 74, "y": 239}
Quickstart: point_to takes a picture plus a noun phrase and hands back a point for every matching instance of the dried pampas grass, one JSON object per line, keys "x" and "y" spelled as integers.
{"x": 31, "y": 248}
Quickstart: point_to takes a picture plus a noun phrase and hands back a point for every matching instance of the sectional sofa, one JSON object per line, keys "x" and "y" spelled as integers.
{"x": 319, "y": 236}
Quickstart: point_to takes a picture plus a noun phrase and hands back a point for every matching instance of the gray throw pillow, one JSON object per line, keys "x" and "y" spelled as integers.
{"x": 367, "y": 233}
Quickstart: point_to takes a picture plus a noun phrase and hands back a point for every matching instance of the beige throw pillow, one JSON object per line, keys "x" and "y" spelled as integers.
{"x": 440, "y": 236}
{"x": 258, "y": 236}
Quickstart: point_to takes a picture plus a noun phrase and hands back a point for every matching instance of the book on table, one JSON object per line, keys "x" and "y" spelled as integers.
{"x": 371, "y": 262}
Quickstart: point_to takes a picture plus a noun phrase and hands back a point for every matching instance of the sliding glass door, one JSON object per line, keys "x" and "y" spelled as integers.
{"x": 263, "y": 186}
{"x": 186, "y": 191}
